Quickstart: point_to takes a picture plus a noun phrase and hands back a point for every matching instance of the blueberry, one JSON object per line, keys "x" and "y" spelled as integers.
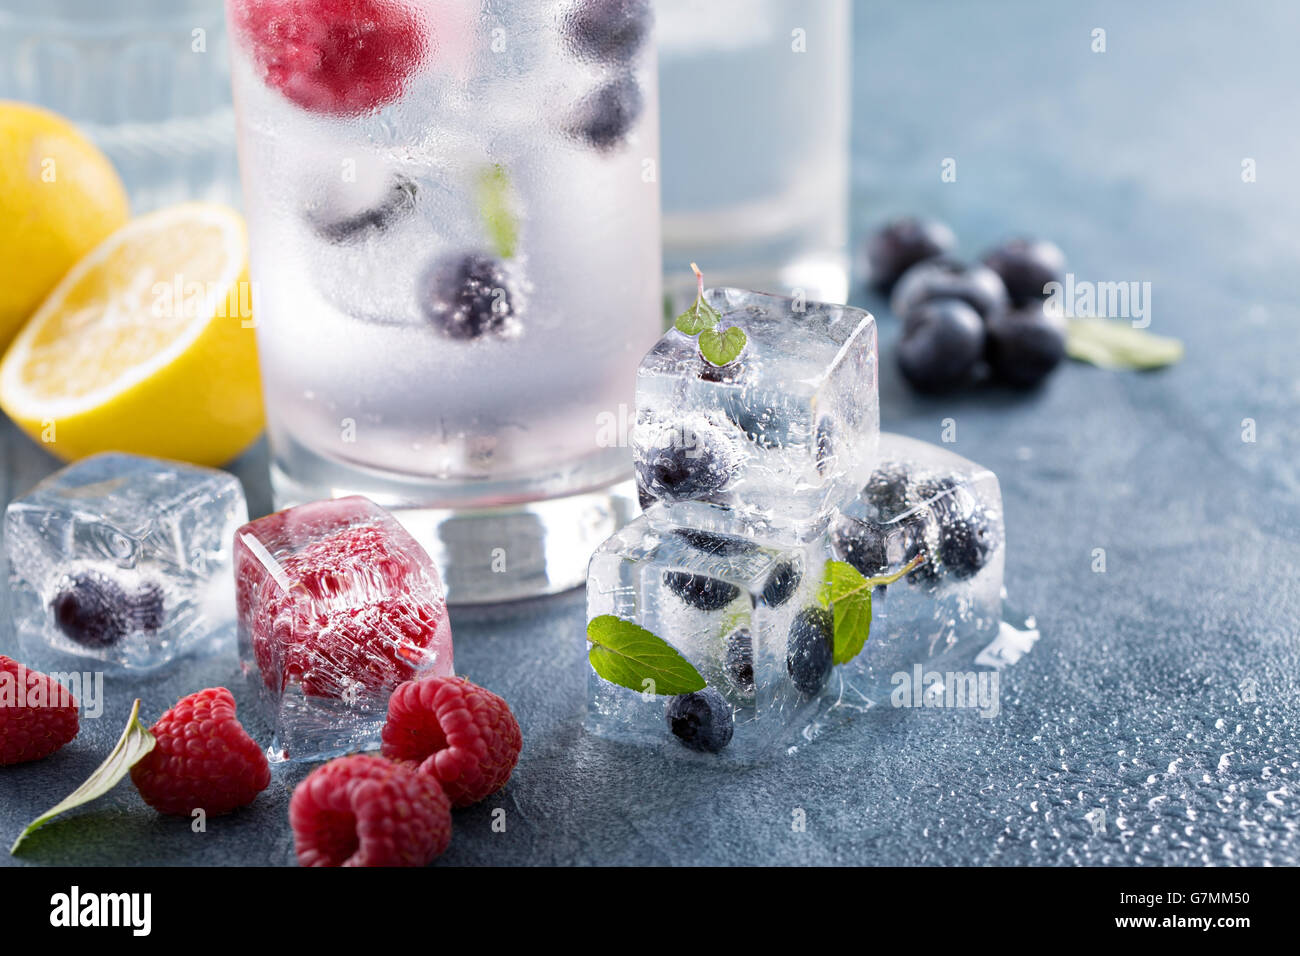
{"x": 862, "y": 544}
{"x": 687, "y": 464}
{"x": 702, "y": 720}
{"x": 1026, "y": 265}
{"x": 607, "y": 30}
{"x": 978, "y": 286}
{"x": 1024, "y": 346}
{"x": 966, "y": 545}
{"x": 887, "y": 491}
{"x": 334, "y": 225}
{"x": 901, "y": 244}
{"x": 942, "y": 344}
{"x": 469, "y": 295}
{"x": 95, "y": 611}
{"x": 738, "y": 660}
{"x": 781, "y": 584}
{"x": 604, "y": 116}
{"x": 809, "y": 649}
{"x": 719, "y": 544}
{"x": 701, "y": 591}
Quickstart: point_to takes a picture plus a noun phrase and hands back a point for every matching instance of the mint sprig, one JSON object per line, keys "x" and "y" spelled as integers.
{"x": 718, "y": 346}
{"x": 628, "y": 655}
{"x": 496, "y": 208}
{"x": 848, "y": 595}
{"x": 1112, "y": 344}
{"x": 136, "y": 741}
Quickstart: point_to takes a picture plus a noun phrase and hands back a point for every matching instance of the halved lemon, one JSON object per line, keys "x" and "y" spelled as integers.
{"x": 147, "y": 345}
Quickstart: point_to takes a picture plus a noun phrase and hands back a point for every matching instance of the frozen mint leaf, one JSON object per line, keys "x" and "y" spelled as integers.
{"x": 135, "y": 743}
{"x": 697, "y": 318}
{"x": 722, "y": 347}
{"x": 1113, "y": 344}
{"x": 848, "y": 594}
{"x": 700, "y": 315}
{"x": 628, "y": 655}
{"x": 496, "y": 207}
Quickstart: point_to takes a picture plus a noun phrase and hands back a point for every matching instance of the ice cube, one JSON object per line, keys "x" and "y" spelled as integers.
{"x": 773, "y": 442}
{"x": 337, "y": 605}
{"x": 748, "y": 620}
{"x": 126, "y": 560}
{"x": 923, "y": 499}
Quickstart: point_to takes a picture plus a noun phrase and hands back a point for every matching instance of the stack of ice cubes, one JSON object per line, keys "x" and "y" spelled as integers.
{"x": 731, "y": 612}
{"x": 124, "y": 560}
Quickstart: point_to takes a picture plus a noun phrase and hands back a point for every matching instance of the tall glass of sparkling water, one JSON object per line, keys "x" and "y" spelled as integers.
{"x": 453, "y": 209}
{"x": 754, "y": 111}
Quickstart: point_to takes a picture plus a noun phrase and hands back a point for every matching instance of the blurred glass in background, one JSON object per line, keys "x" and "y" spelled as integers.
{"x": 754, "y": 119}
{"x": 147, "y": 80}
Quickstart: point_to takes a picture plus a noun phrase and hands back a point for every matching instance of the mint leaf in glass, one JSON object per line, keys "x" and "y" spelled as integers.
{"x": 496, "y": 207}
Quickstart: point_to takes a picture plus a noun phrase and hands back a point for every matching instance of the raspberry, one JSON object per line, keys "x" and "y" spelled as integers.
{"x": 313, "y": 637}
{"x": 37, "y": 714}
{"x": 203, "y": 759}
{"x": 458, "y": 732}
{"x": 366, "y": 811}
{"x": 343, "y": 57}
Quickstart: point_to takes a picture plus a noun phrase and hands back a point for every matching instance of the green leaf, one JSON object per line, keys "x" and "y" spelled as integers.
{"x": 135, "y": 743}
{"x": 497, "y": 210}
{"x": 1113, "y": 344}
{"x": 698, "y": 317}
{"x": 848, "y": 594}
{"x": 722, "y": 347}
{"x": 628, "y": 655}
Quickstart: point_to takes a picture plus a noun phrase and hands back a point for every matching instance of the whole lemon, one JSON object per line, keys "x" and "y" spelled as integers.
{"x": 59, "y": 198}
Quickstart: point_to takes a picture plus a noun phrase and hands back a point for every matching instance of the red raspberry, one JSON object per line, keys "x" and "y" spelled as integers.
{"x": 458, "y": 732}
{"x": 366, "y": 811}
{"x": 38, "y": 715}
{"x": 344, "y": 57}
{"x": 318, "y": 633}
{"x": 203, "y": 759}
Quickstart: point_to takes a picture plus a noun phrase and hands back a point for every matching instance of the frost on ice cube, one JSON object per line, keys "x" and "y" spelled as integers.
{"x": 710, "y": 640}
{"x": 337, "y": 605}
{"x": 777, "y": 439}
{"x": 922, "y": 499}
{"x": 125, "y": 560}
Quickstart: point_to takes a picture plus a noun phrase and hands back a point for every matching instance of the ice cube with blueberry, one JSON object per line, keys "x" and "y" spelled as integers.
{"x": 125, "y": 560}
{"x": 773, "y": 440}
{"x": 337, "y": 605}
{"x": 924, "y": 500}
{"x": 709, "y": 642}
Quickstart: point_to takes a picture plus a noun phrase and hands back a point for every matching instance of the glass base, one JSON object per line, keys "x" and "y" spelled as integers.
{"x": 489, "y": 555}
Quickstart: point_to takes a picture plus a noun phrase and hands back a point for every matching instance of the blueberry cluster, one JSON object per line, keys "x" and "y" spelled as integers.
{"x": 962, "y": 321}
{"x": 928, "y": 514}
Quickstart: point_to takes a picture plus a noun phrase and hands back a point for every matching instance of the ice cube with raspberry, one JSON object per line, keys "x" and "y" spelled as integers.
{"x": 125, "y": 560}
{"x": 337, "y": 606}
